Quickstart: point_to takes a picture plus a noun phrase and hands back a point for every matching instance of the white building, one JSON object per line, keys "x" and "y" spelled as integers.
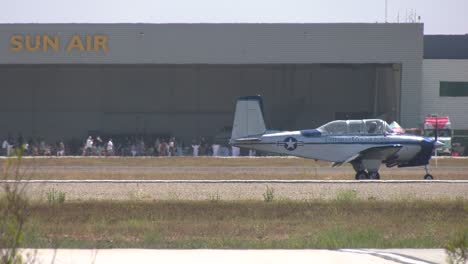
{"x": 445, "y": 78}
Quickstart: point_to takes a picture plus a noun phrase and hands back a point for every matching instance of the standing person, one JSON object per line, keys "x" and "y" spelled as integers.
{"x": 215, "y": 148}
{"x": 5, "y": 147}
{"x": 171, "y": 146}
{"x": 88, "y": 146}
{"x": 157, "y": 146}
{"x": 110, "y": 148}
{"x": 195, "y": 147}
{"x": 235, "y": 151}
{"x": 252, "y": 152}
{"x": 133, "y": 150}
{"x": 163, "y": 148}
{"x": 141, "y": 148}
{"x": 61, "y": 149}
{"x": 42, "y": 147}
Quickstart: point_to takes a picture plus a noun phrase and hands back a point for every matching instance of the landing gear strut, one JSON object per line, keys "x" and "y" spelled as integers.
{"x": 428, "y": 176}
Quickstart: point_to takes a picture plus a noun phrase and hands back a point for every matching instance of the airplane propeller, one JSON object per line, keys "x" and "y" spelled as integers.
{"x": 436, "y": 136}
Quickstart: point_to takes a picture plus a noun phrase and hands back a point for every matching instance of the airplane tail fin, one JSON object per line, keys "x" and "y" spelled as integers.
{"x": 248, "y": 118}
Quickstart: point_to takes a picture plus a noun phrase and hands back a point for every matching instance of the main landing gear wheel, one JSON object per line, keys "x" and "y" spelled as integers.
{"x": 374, "y": 176}
{"x": 428, "y": 177}
{"x": 361, "y": 175}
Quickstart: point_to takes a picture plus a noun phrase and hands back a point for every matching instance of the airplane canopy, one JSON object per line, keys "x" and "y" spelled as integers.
{"x": 366, "y": 126}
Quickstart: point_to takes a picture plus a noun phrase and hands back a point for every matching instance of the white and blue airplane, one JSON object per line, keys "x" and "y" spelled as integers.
{"x": 366, "y": 144}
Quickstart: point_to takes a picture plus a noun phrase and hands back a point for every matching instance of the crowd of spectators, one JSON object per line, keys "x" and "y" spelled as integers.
{"x": 118, "y": 145}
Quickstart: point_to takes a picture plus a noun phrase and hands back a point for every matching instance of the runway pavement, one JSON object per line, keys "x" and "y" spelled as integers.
{"x": 208, "y": 256}
{"x": 227, "y": 168}
{"x": 247, "y": 189}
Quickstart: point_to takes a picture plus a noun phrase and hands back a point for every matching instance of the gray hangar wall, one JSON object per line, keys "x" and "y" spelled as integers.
{"x": 65, "y": 80}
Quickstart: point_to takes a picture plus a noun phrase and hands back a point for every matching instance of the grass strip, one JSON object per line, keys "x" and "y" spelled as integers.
{"x": 340, "y": 223}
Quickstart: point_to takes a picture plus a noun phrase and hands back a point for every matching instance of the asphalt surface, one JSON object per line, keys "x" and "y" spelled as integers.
{"x": 230, "y": 168}
{"x": 208, "y": 256}
{"x": 246, "y": 189}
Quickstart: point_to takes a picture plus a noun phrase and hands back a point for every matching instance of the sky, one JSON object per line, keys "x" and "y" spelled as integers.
{"x": 438, "y": 16}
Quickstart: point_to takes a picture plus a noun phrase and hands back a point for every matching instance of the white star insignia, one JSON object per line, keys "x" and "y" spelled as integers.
{"x": 290, "y": 144}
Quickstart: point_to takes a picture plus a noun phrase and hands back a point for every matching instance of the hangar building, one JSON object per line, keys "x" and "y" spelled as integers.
{"x": 445, "y": 79}
{"x": 64, "y": 81}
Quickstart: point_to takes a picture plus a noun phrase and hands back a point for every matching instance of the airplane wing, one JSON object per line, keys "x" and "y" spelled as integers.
{"x": 380, "y": 152}
{"x": 373, "y": 153}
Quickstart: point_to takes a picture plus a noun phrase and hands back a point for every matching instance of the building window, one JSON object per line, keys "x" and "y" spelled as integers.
{"x": 453, "y": 89}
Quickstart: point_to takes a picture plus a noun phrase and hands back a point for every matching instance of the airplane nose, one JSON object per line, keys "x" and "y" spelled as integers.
{"x": 438, "y": 144}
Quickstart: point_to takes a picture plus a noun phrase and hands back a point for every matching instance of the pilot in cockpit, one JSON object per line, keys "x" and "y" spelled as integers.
{"x": 372, "y": 127}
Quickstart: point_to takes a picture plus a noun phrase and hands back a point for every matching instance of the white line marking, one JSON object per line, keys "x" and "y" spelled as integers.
{"x": 395, "y": 257}
{"x": 245, "y": 181}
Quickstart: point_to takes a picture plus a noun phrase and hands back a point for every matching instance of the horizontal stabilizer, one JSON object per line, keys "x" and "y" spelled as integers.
{"x": 248, "y": 139}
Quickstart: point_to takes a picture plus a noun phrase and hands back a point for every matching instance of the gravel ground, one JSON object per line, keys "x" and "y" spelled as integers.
{"x": 299, "y": 190}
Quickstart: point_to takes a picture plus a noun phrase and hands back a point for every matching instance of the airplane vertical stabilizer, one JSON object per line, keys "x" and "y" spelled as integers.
{"x": 248, "y": 118}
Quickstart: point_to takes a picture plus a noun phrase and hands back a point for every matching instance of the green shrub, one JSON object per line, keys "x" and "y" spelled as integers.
{"x": 214, "y": 197}
{"x": 346, "y": 196}
{"x": 55, "y": 197}
{"x": 269, "y": 194}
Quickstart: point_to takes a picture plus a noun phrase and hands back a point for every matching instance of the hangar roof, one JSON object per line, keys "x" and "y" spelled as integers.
{"x": 446, "y": 46}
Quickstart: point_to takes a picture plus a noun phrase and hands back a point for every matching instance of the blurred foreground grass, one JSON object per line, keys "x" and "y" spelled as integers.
{"x": 341, "y": 223}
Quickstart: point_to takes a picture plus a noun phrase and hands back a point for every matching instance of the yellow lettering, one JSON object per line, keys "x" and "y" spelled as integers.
{"x": 37, "y": 43}
{"x": 16, "y": 42}
{"x": 75, "y": 43}
{"x": 88, "y": 43}
{"x": 48, "y": 42}
{"x": 100, "y": 41}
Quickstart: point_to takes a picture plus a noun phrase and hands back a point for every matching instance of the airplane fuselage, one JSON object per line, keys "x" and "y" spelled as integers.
{"x": 339, "y": 148}
{"x": 365, "y": 144}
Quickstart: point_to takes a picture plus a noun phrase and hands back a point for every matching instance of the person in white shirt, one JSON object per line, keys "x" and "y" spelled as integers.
{"x": 171, "y": 148}
{"x": 215, "y": 148}
{"x": 110, "y": 148}
{"x": 88, "y": 146}
{"x": 252, "y": 153}
{"x": 235, "y": 151}
{"x": 5, "y": 147}
{"x": 61, "y": 149}
{"x": 133, "y": 150}
{"x": 195, "y": 147}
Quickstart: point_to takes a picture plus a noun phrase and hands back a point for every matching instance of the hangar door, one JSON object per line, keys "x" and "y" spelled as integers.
{"x": 188, "y": 101}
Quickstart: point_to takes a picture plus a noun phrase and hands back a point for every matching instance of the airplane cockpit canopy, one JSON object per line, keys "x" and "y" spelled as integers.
{"x": 366, "y": 126}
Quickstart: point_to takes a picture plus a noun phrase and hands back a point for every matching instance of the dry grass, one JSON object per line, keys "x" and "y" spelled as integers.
{"x": 247, "y": 224}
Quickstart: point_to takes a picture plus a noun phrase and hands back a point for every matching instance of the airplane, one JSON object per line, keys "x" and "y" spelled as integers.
{"x": 366, "y": 144}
